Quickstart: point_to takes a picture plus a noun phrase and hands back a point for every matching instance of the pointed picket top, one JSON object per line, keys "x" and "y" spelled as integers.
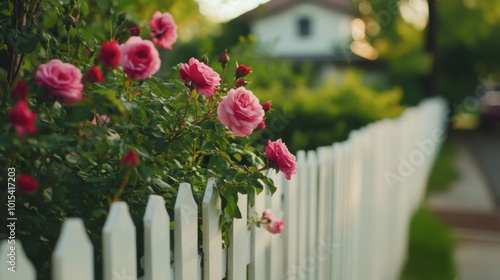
{"x": 15, "y": 265}
{"x": 212, "y": 233}
{"x": 119, "y": 244}
{"x": 186, "y": 234}
{"x": 73, "y": 256}
{"x": 156, "y": 240}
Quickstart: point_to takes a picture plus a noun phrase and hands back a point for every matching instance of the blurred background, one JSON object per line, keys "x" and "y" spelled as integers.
{"x": 332, "y": 66}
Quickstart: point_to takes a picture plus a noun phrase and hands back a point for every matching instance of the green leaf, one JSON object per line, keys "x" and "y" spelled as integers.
{"x": 218, "y": 163}
{"x": 78, "y": 114}
{"x": 232, "y": 207}
{"x": 146, "y": 171}
{"x": 162, "y": 146}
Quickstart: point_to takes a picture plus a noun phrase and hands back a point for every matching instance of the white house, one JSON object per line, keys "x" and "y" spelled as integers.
{"x": 304, "y": 29}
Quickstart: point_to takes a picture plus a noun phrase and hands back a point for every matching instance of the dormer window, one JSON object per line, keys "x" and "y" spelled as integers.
{"x": 304, "y": 26}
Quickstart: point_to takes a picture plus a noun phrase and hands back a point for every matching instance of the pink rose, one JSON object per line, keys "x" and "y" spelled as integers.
{"x": 241, "y": 111}
{"x": 279, "y": 156}
{"x": 163, "y": 30}
{"x": 204, "y": 78}
{"x": 61, "y": 79}
{"x": 271, "y": 223}
{"x": 139, "y": 58}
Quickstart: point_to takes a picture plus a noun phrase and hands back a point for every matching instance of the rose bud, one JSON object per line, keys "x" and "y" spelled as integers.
{"x": 242, "y": 71}
{"x": 121, "y": 18}
{"x": 110, "y": 54}
{"x": 271, "y": 223}
{"x": 224, "y": 58}
{"x": 20, "y": 91}
{"x": 135, "y": 31}
{"x": 266, "y": 106}
{"x": 241, "y": 83}
{"x": 22, "y": 118}
{"x": 262, "y": 125}
{"x": 130, "y": 159}
{"x": 94, "y": 75}
{"x": 26, "y": 184}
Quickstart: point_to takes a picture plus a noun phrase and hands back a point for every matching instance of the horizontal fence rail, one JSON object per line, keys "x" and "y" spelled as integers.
{"x": 346, "y": 215}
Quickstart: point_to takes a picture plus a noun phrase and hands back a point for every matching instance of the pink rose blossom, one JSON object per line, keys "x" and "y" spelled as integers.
{"x": 279, "y": 156}
{"x": 139, "y": 58}
{"x": 271, "y": 223}
{"x": 204, "y": 78}
{"x": 241, "y": 111}
{"x": 62, "y": 80}
{"x": 163, "y": 30}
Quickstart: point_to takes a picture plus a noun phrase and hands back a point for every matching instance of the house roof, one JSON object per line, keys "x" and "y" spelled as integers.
{"x": 275, "y": 6}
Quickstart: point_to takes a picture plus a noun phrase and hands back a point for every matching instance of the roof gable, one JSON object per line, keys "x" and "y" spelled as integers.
{"x": 275, "y": 6}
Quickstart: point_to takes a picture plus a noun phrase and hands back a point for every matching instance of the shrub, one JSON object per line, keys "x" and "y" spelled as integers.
{"x": 88, "y": 124}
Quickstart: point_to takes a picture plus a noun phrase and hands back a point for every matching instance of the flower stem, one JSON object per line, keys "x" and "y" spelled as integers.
{"x": 122, "y": 187}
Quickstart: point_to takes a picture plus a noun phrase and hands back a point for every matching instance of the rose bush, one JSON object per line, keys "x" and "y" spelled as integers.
{"x": 77, "y": 143}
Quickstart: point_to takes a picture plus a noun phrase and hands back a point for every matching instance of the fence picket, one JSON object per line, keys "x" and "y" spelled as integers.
{"x": 119, "y": 243}
{"x": 73, "y": 257}
{"x": 308, "y": 269}
{"x": 238, "y": 234}
{"x": 275, "y": 250}
{"x": 186, "y": 235}
{"x": 212, "y": 234}
{"x": 259, "y": 241}
{"x": 156, "y": 240}
{"x": 302, "y": 208}
{"x": 324, "y": 189}
{"x": 336, "y": 226}
{"x": 22, "y": 266}
{"x": 291, "y": 213}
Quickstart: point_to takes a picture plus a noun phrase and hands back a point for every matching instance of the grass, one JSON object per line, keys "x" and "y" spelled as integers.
{"x": 444, "y": 172}
{"x": 430, "y": 254}
{"x": 431, "y": 245}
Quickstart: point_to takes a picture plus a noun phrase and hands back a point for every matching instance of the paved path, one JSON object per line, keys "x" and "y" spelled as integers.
{"x": 469, "y": 207}
{"x": 485, "y": 148}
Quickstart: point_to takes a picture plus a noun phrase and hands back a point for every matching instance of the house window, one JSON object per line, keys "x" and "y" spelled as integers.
{"x": 304, "y": 27}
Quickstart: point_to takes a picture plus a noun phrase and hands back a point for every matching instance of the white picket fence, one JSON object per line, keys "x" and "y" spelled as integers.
{"x": 346, "y": 215}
